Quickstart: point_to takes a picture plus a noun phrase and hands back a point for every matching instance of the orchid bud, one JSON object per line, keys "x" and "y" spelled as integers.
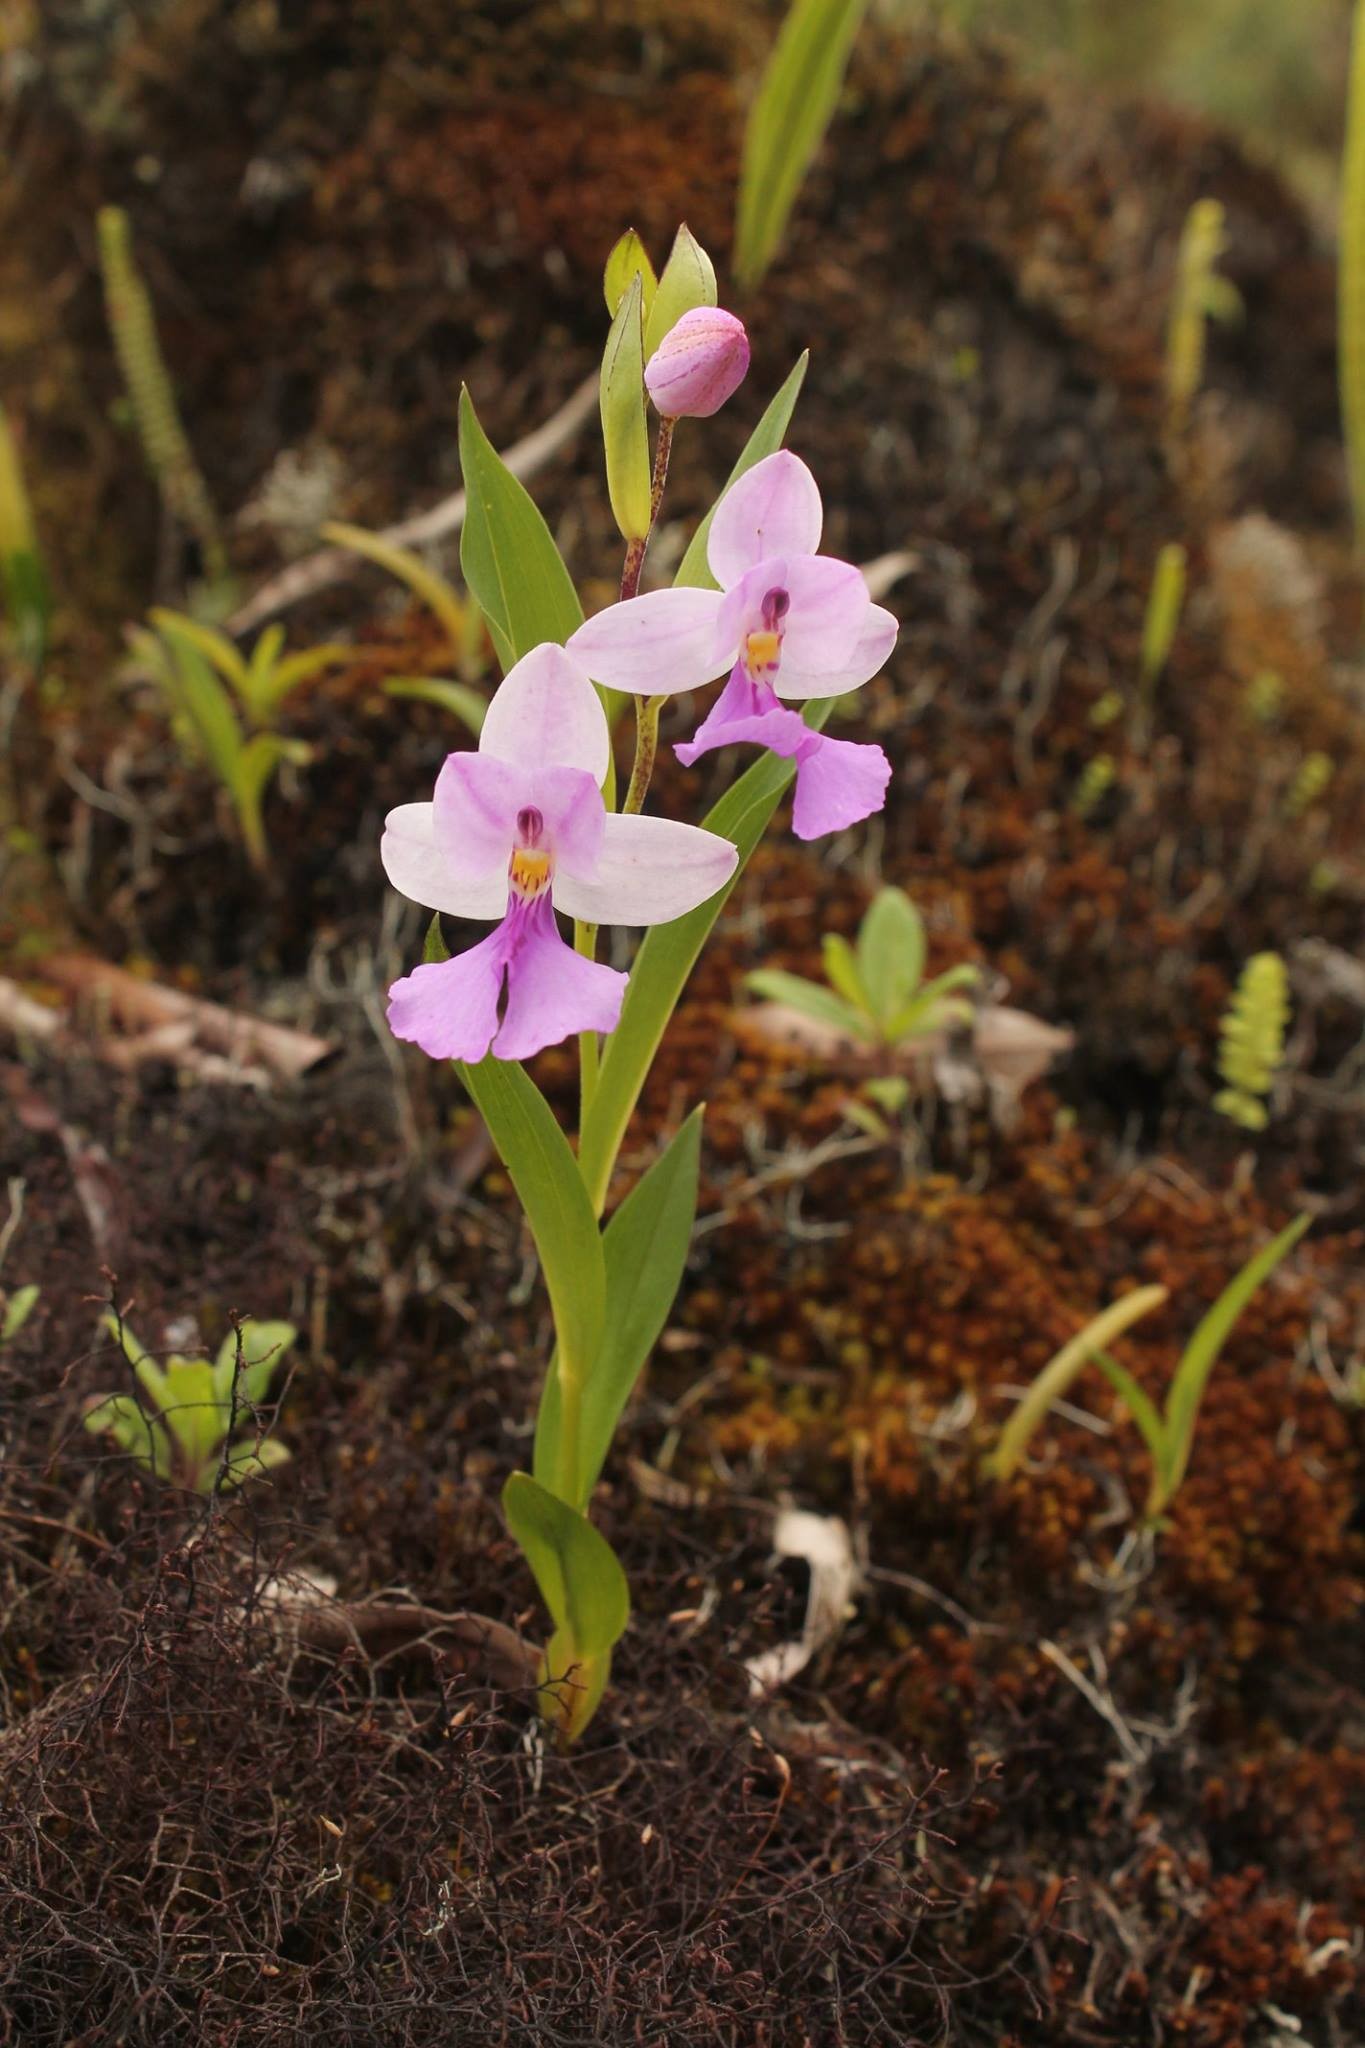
{"x": 699, "y": 363}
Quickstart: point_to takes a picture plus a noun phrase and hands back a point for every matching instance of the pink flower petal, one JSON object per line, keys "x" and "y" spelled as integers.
{"x": 745, "y": 711}
{"x": 417, "y": 868}
{"x": 838, "y": 782}
{"x": 651, "y": 870}
{"x": 553, "y": 992}
{"x": 773, "y": 509}
{"x": 827, "y": 616}
{"x": 869, "y": 656}
{"x": 476, "y": 805}
{"x": 545, "y": 713}
{"x": 571, "y": 805}
{"x": 656, "y": 644}
{"x": 450, "y": 1007}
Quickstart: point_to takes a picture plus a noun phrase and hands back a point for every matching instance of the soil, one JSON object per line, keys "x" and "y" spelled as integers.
{"x": 1049, "y": 1783}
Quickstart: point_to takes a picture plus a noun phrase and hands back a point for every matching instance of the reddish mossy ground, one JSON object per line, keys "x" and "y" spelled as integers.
{"x": 1048, "y": 1784}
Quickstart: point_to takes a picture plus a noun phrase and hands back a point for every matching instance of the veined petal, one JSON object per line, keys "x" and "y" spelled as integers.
{"x": 651, "y": 870}
{"x": 553, "y": 992}
{"x": 656, "y": 644}
{"x": 773, "y": 509}
{"x": 571, "y": 805}
{"x": 450, "y": 1007}
{"x": 869, "y": 656}
{"x": 545, "y": 713}
{"x": 838, "y": 783}
{"x": 828, "y": 613}
{"x": 417, "y": 868}
{"x": 476, "y": 804}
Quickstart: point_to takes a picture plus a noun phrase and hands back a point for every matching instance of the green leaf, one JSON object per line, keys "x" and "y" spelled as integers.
{"x": 576, "y": 1569}
{"x": 16, "y": 1311}
{"x": 890, "y": 953}
{"x": 810, "y": 998}
{"x": 662, "y": 965}
{"x": 625, "y": 430}
{"x": 688, "y": 281}
{"x": 283, "y": 677}
{"x": 263, "y": 1348}
{"x": 434, "y": 947}
{"x": 195, "y": 1416}
{"x": 246, "y": 1460}
{"x": 204, "y": 701}
{"x": 213, "y": 645}
{"x": 766, "y": 438}
{"x": 787, "y": 123}
{"x": 645, "y": 1246}
{"x": 629, "y": 258}
{"x": 1065, "y": 1366}
{"x": 934, "y": 1008}
{"x": 1201, "y": 1353}
{"x": 841, "y": 971}
{"x": 136, "y": 1433}
{"x": 550, "y": 1189}
{"x": 510, "y": 561}
{"x": 424, "y": 582}
{"x": 470, "y": 706}
{"x": 1139, "y": 1404}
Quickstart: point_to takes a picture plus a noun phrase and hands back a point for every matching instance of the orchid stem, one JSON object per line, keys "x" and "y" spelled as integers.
{"x": 646, "y": 708}
{"x": 646, "y": 748}
{"x": 635, "y": 550}
{"x": 589, "y": 1051}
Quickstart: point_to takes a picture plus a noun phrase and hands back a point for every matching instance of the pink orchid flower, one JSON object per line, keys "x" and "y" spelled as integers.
{"x": 517, "y": 831}
{"x": 786, "y": 622}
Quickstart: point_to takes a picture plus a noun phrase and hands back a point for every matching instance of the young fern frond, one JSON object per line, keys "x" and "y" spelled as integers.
{"x": 1311, "y": 782}
{"x": 1200, "y": 295}
{"x": 23, "y": 578}
{"x": 161, "y": 431}
{"x": 1252, "y": 1036}
{"x": 1095, "y": 782}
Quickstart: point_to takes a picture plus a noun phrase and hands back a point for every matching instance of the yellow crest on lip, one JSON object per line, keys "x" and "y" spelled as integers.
{"x": 529, "y": 872}
{"x": 761, "y": 653}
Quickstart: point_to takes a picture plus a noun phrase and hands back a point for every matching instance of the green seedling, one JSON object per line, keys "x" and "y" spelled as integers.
{"x": 189, "y": 662}
{"x": 188, "y": 1428}
{"x": 1168, "y": 1432}
{"x": 875, "y": 994}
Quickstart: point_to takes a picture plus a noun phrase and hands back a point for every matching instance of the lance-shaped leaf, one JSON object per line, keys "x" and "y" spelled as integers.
{"x": 508, "y": 556}
{"x": 1201, "y": 1353}
{"x": 550, "y": 1189}
{"x": 629, "y": 258}
{"x": 625, "y": 429}
{"x": 787, "y": 123}
{"x": 645, "y": 1246}
{"x": 688, "y": 281}
{"x": 576, "y": 1569}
